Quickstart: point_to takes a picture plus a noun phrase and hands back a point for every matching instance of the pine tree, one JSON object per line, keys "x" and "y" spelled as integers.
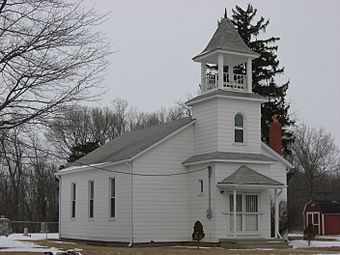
{"x": 265, "y": 69}
{"x": 81, "y": 150}
{"x": 198, "y": 233}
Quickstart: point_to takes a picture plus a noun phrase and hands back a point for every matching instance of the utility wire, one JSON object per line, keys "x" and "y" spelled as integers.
{"x": 104, "y": 169}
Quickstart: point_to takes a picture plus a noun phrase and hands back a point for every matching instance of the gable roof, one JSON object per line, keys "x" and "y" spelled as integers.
{"x": 247, "y": 176}
{"x": 226, "y": 38}
{"x": 228, "y": 156}
{"x": 131, "y": 144}
{"x": 329, "y": 206}
{"x": 226, "y": 93}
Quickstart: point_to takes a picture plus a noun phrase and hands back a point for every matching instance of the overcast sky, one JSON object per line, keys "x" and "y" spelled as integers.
{"x": 156, "y": 40}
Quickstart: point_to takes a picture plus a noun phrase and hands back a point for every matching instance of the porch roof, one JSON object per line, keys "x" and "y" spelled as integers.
{"x": 245, "y": 176}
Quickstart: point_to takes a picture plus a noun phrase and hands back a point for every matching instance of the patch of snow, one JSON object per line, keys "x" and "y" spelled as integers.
{"x": 34, "y": 237}
{"x": 304, "y": 244}
{"x": 194, "y": 247}
{"x": 19, "y": 243}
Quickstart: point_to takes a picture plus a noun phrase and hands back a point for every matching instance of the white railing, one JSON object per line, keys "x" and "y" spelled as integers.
{"x": 234, "y": 81}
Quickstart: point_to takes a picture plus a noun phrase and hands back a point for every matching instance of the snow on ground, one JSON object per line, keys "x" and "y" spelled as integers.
{"x": 317, "y": 243}
{"x": 20, "y": 243}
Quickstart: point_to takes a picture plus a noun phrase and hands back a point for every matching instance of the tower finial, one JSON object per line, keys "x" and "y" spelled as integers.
{"x": 225, "y": 12}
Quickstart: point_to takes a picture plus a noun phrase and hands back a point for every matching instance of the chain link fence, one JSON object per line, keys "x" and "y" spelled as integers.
{"x": 32, "y": 227}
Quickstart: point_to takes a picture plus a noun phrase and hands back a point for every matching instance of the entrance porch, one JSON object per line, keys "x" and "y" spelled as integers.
{"x": 245, "y": 191}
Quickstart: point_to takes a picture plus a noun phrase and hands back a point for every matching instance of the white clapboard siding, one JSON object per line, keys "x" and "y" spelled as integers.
{"x": 205, "y": 129}
{"x": 227, "y": 109}
{"x": 101, "y": 227}
{"x": 214, "y": 129}
{"x": 160, "y": 204}
{"x": 199, "y": 202}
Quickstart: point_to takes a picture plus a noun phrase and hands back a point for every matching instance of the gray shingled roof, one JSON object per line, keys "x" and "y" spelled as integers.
{"x": 132, "y": 143}
{"x": 219, "y": 155}
{"x": 226, "y": 38}
{"x": 329, "y": 206}
{"x": 221, "y": 92}
{"x": 247, "y": 176}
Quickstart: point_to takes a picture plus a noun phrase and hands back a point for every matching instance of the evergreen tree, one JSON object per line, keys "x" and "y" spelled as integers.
{"x": 198, "y": 233}
{"x": 265, "y": 69}
{"x": 81, "y": 150}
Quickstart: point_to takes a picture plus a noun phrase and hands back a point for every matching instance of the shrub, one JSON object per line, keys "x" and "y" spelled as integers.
{"x": 198, "y": 233}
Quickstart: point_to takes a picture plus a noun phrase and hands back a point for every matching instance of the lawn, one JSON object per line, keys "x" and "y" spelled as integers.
{"x": 104, "y": 250}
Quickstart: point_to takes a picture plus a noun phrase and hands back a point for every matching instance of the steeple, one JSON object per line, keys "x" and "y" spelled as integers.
{"x": 228, "y": 51}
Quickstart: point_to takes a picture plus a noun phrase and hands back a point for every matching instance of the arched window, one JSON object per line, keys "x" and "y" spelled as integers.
{"x": 239, "y": 128}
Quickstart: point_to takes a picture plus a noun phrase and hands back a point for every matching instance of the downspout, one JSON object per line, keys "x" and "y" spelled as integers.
{"x": 209, "y": 211}
{"x": 131, "y": 204}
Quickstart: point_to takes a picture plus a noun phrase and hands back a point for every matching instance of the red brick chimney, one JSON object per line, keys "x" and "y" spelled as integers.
{"x": 275, "y": 135}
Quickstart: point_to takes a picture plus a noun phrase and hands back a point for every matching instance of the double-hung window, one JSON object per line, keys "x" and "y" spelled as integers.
{"x": 91, "y": 199}
{"x": 73, "y": 200}
{"x": 112, "y": 198}
{"x": 239, "y": 128}
{"x": 247, "y": 213}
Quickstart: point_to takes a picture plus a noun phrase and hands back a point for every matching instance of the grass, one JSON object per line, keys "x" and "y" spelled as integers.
{"x": 105, "y": 250}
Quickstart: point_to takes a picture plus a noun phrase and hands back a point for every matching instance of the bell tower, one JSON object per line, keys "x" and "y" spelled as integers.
{"x": 227, "y": 112}
{"x": 226, "y": 62}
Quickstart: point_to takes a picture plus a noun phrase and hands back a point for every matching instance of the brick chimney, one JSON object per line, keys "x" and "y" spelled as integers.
{"x": 275, "y": 135}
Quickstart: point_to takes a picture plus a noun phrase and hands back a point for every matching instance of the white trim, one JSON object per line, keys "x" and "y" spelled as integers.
{"x": 229, "y": 160}
{"x": 323, "y": 223}
{"x": 319, "y": 222}
{"x": 229, "y": 97}
{"x": 206, "y": 54}
{"x": 234, "y": 186}
{"x": 163, "y": 140}
{"x": 276, "y": 155}
{"x": 75, "y": 169}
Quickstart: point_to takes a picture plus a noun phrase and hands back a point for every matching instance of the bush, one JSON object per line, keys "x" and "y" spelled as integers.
{"x": 198, "y": 233}
{"x": 309, "y": 233}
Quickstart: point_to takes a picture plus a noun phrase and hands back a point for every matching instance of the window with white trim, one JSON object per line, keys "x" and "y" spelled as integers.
{"x": 239, "y": 128}
{"x": 73, "y": 200}
{"x": 91, "y": 199}
{"x": 247, "y": 213}
{"x": 112, "y": 198}
{"x": 201, "y": 186}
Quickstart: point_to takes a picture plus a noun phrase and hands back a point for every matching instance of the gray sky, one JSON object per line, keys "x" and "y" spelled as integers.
{"x": 156, "y": 40}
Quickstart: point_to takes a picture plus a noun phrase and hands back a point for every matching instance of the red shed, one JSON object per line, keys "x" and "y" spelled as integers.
{"x": 324, "y": 216}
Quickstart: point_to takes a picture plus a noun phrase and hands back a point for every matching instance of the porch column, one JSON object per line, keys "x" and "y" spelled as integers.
{"x": 203, "y": 77}
{"x": 220, "y": 70}
{"x": 276, "y": 209}
{"x": 249, "y": 75}
{"x": 234, "y": 211}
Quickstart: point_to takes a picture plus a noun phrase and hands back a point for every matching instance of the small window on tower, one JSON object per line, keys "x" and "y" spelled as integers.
{"x": 239, "y": 128}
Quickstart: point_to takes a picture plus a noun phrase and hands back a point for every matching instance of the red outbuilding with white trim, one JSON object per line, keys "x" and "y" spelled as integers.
{"x": 324, "y": 216}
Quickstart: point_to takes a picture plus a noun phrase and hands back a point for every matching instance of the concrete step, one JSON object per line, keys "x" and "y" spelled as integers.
{"x": 253, "y": 243}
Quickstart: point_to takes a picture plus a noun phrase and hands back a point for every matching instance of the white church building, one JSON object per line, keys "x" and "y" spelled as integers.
{"x": 152, "y": 185}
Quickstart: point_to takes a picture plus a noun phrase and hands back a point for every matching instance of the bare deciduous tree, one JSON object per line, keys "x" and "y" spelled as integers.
{"x": 315, "y": 156}
{"x": 50, "y": 56}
